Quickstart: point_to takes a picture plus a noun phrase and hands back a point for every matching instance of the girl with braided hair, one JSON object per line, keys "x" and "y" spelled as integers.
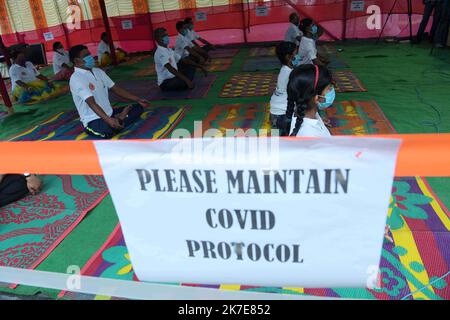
{"x": 310, "y": 88}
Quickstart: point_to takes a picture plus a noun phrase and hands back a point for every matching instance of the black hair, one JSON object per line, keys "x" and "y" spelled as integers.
{"x": 15, "y": 53}
{"x": 188, "y": 20}
{"x": 56, "y": 45}
{"x": 75, "y": 51}
{"x": 292, "y": 16}
{"x": 180, "y": 25}
{"x": 305, "y": 23}
{"x": 104, "y": 34}
{"x": 301, "y": 90}
{"x": 158, "y": 33}
{"x": 283, "y": 49}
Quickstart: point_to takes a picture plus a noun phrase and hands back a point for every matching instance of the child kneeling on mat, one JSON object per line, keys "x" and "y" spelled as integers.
{"x": 28, "y": 85}
{"x": 286, "y": 52}
{"x": 310, "y": 88}
{"x": 90, "y": 90}
{"x": 173, "y": 72}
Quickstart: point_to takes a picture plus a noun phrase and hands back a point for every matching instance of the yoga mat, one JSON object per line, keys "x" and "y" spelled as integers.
{"x": 419, "y": 255}
{"x": 65, "y": 89}
{"x": 135, "y": 59}
{"x": 219, "y": 64}
{"x": 149, "y": 89}
{"x": 223, "y": 53}
{"x": 261, "y": 64}
{"x": 156, "y": 122}
{"x": 250, "y": 85}
{"x": 327, "y": 49}
{"x": 31, "y": 228}
{"x": 358, "y": 118}
{"x": 337, "y": 63}
{"x": 262, "y": 52}
{"x": 346, "y": 81}
{"x": 238, "y": 116}
{"x": 146, "y": 72}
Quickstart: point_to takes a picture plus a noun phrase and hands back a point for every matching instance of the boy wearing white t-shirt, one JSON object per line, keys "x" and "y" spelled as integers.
{"x": 62, "y": 67}
{"x": 195, "y": 38}
{"x": 90, "y": 88}
{"x": 278, "y": 103}
{"x": 184, "y": 47}
{"x": 308, "y": 51}
{"x": 104, "y": 52}
{"x": 293, "y": 33}
{"x": 173, "y": 72}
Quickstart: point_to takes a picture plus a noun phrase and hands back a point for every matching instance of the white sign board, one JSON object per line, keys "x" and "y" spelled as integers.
{"x": 262, "y": 11}
{"x": 127, "y": 24}
{"x": 201, "y": 16}
{"x": 202, "y": 211}
{"x": 357, "y": 6}
{"x": 48, "y": 36}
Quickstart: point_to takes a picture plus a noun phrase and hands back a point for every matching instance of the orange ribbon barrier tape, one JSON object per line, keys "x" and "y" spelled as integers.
{"x": 420, "y": 155}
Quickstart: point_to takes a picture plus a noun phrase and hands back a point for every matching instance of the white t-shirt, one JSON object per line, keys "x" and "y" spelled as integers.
{"x": 181, "y": 44}
{"x": 192, "y": 35}
{"x": 85, "y": 84}
{"x": 164, "y": 56}
{"x": 292, "y": 33}
{"x": 59, "y": 60}
{"x": 307, "y": 51}
{"x": 25, "y": 74}
{"x": 311, "y": 127}
{"x": 103, "y": 48}
{"x": 278, "y": 102}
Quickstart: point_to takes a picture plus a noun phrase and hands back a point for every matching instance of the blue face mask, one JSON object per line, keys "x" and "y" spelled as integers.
{"x": 314, "y": 29}
{"x": 89, "y": 61}
{"x": 296, "y": 61}
{"x": 329, "y": 99}
{"x": 166, "y": 40}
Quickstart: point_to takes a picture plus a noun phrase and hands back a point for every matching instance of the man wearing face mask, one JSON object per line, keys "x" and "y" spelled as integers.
{"x": 195, "y": 39}
{"x": 173, "y": 72}
{"x": 184, "y": 46}
{"x": 90, "y": 90}
{"x": 62, "y": 67}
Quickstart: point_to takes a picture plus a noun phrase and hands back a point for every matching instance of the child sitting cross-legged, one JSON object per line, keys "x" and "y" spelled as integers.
{"x": 286, "y": 52}
{"x": 310, "y": 88}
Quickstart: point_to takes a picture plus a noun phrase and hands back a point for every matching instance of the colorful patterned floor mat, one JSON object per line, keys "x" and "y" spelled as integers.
{"x": 358, "y": 118}
{"x": 346, "y": 81}
{"x": 243, "y": 116}
{"x": 250, "y": 85}
{"x": 223, "y": 53}
{"x": 31, "y": 228}
{"x": 261, "y": 64}
{"x": 156, "y": 122}
{"x": 149, "y": 89}
{"x": 262, "y": 52}
{"x": 420, "y": 254}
